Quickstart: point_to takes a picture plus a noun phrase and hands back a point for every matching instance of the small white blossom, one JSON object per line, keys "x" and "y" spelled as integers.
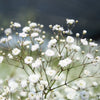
{"x": 81, "y": 84}
{"x": 39, "y": 39}
{"x": 65, "y": 62}
{"x": 40, "y": 87}
{"x": 26, "y": 29}
{"x": 34, "y": 34}
{"x": 93, "y": 44}
{"x": 8, "y": 31}
{"x": 16, "y": 51}
{"x": 35, "y": 47}
{"x": 16, "y": 24}
{"x": 75, "y": 47}
{"x": 33, "y": 24}
{"x": 28, "y": 60}
{"x": 71, "y": 95}
{"x": 13, "y": 85}
{"x": 10, "y": 56}
{"x": 23, "y": 94}
{"x": 31, "y": 96}
{"x": 24, "y": 83}
{"x": 1, "y": 59}
{"x": 50, "y": 72}
{"x": 3, "y": 40}
{"x": 33, "y": 78}
{"x": 9, "y": 38}
{"x": 26, "y": 43}
{"x": 37, "y": 63}
{"x": 70, "y": 21}
{"x": 52, "y": 43}
{"x": 70, "y": 39}
{"x": 89, "y": 56}
{"x": 49, "y": 53}
{"x": 84, "y": 41}
{"x": 87, "y": 73}
{"x": 95, "y": 84}
{"x": 22, "y": 35}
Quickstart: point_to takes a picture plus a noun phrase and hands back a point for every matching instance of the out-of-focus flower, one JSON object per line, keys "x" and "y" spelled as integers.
{"x": 16, "y": 24}
{"x": 28, "y": 60}
{"x": 70, "y": 39}
{"x": 16, "y": 51}
{"x": 49, "y": 53}
{"x": 1, "y": 59}
{"x": 65, "y": 62}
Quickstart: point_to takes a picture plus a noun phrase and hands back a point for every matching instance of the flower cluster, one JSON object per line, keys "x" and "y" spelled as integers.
{"x": 66, "y": 69}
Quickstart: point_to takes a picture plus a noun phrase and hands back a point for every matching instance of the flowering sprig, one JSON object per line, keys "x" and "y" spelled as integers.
{"x": 60, "y": 71}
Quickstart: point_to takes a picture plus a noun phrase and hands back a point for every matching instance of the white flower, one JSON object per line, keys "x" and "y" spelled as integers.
{"x": 26, "y": 43}
{"x": 33, "y": 25}
{"x": 33, "y": 78}
{"x": 39, "y": 39}
{"x": 65, "y": 62}
{"x": 84, "y": 41}
{"x": 52, "y": 43}
{"x": 3, "y": 40}
{"x": 28, "y": 60}
{"x": 1, "y": 81}
{"x": 49, "y": 53}
{"x": 75, "y": 47}
{"x": 8, "y": 31}
{"x": 70, "y": 39}
{"x": 23, "y": 83}
{"x": 93, "y": 44}
{"x": 2, "y": 98}
{"x": 40, "y": 87}
{"x": 34, "y": 34}
{"x": 23, "y": 94}
{"x": 50, "y": 72}
{"x": 70, "y": 21}
{"x": 1, "y": 59}
{"x": 56, "y": 27}
{"x": 9, "y": 38}
{"x": 37, "y": 63}
{"x": 16, "y": 51}
{"x": 81, "y": 84}
{"x": 35, "y": 47}
{"x": 23, "y": 34}
{"x": 71, "y": 95}
{"x": 10, "y": 56}
{"x": 95, "y": 84}
{"x": 16, "y": 24}
{"x": 26, "y": 29}
{"x": 45, "y": 83}
{"x": 87, "y": 73}
{"x": 13, "y": 85}
{"x": 89, "y": 56}
{"x": 31, "y": 96}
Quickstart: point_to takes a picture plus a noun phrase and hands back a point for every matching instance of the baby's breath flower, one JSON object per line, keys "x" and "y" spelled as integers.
{"x": 37, "y": 63}
{"x": 26, "y": 43}
{"x": 13, "y": 86}
{"x": 33, "y": 24}
{"x": 9, "y": 38}
{"x": 65, "y": 62}
{"x": 1, "y": 59}
{"x": 81, "y": 84}
{"x": 49, "y": 53}
{"x": 16, "y": 51}
{"x": 52, "y": 42}
{"x": 31, "y": 96}
{"x": 35, "y": 47}
{"x": 3, "y": 40}
{"x": 70, "y": 39}
{"x": 84, "y": 41}
{"x": 50, "y": 72}
{"x": 22, "y": 35}
{"x": 95, "y": 84}
{"x": 33, "y": 78}
{"x": 28, "y": 60}
{"x": 93, "y": 44}
{"x": 10, "y": 56}
{"x": 16, "y": 24}
{"x": 24, "y": 83}
{"x": 87, "y": 73}
{"x": 8, "y": 31}
{"x": 70, "y": 21}
{"x": 34, "y": 34}
{"x": 26, "y": 29}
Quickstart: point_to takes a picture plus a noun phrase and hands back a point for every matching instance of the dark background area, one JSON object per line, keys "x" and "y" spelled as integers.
{"x": 53, "y": 12}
